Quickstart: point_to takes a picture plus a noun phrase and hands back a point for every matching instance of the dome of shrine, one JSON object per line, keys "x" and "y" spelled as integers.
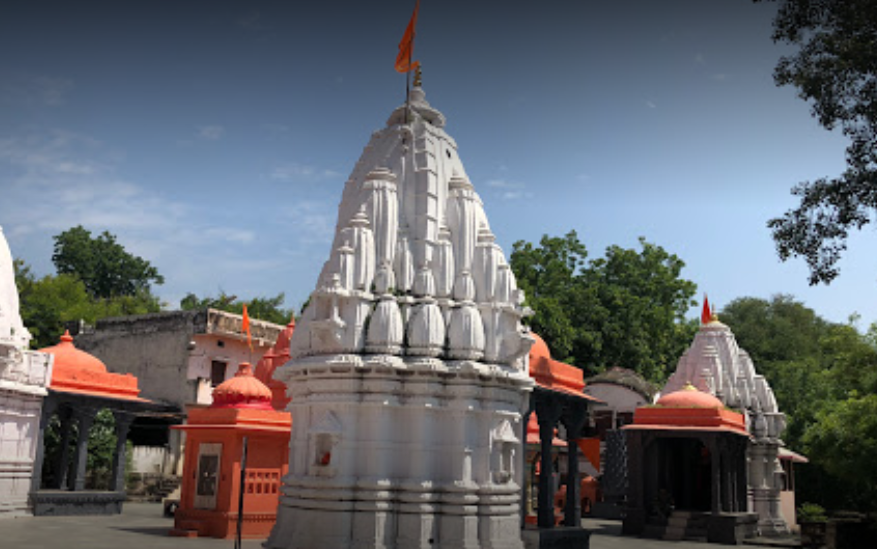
{"x": 539, "y": 349}
{"x": 81, "y": 372}
{"x": 69, "y": 358}
{"x": 689, "y": 397}
{"x": 242, "y": 391}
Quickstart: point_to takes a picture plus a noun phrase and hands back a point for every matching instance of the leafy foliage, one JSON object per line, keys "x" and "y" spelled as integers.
{"x": 834, "y": 70}
{"x": 101, "y": 449}
{"x": 624, "y": 309}
{"x": 824, "y": 377}
{"x": 264, "y": 308}
{"x": 47, "y": 303}
{"x": 103, "y": 265}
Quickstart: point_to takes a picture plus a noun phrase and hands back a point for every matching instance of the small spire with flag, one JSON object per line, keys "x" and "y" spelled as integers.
{"x": 706, "y": 315}
{"x": 404, "y": 61}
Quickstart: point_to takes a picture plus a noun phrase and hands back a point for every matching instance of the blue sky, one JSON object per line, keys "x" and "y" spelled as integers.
{"x": 214, "y": 138}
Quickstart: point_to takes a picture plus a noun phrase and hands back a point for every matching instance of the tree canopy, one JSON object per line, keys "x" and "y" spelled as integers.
{"x": 103, "y": 265}
{"x": 47, "y": 303}
{"x": 834, "y": 70}
{"x": 96, "y": 278}
{"x": 824, "y": 377}
{"x": 624, "y": 309}
{"x": 264, "y": 308}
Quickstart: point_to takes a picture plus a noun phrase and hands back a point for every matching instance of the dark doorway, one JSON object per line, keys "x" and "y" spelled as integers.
{"x": 687, "y": 474}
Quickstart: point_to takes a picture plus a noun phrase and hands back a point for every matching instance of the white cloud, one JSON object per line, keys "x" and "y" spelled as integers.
{"x": 295, "y": 172}
{"x": 211, "y": 133}
{"x": 35, "y": 90}
{"x": 503, "y": 184}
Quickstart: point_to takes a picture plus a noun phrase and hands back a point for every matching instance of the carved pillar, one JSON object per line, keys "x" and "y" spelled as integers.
{"x": 574, "y": 419}
{"x": 548, "y": 412}
{"x": 61, "y": 465}
{"x": 525, "y": 469}
{"x": 84, "y": 419}
{"x": 49, "y": 408}
{"x": 123, "y": 423}
{"x": 715, "y": 477}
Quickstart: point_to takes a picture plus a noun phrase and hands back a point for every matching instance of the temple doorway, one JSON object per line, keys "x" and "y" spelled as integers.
{"x": 685, "y": 481}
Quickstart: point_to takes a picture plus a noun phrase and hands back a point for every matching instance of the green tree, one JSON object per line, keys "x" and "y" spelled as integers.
{"x": 47, "y": 303}
{"x": 625, "y": 309}
{"x": 834, "y": 70}
{"x": 102, "y": 264}
{"x": 822, "y": 373}
{"x": 841, "y": 441}
{"x": 269, "y": 309}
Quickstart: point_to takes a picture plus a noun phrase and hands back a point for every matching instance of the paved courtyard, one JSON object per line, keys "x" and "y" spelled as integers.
{"x": 142, "y": 526}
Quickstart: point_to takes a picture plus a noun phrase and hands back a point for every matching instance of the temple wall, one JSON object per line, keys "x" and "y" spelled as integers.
{"x": 23, "y": 378}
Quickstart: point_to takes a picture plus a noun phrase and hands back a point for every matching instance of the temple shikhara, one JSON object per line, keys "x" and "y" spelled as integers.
{"x": 408, "y": 373}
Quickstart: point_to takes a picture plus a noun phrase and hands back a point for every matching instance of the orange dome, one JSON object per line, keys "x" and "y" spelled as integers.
{"x": 68, "y": 357}
{"x": 539, "y": 349}
{"x": 242, "y": 391}
{"x": 78, "y": 371}
{"x": 689, "y": 397}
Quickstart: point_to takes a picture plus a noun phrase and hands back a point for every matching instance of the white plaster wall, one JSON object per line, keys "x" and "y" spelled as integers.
{"x": 618, "y": 398}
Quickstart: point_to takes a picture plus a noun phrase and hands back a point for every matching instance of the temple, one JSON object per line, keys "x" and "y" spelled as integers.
{"x": 81, "y": 387}
{"x": 24, "y": 375}
{"x": 239, "y": 432}
{"x": 709, "y": 449}
{"x": 408, "y": 373}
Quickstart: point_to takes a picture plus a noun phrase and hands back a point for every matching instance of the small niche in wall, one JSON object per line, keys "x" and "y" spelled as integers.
{"x": 323, "y": 438}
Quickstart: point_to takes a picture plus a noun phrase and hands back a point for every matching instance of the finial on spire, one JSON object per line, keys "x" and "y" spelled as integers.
{"x": 417, "y": 82}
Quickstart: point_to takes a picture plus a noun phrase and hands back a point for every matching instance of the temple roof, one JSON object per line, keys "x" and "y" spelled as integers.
{"x": 689, "y": 409}
{"x": 689, "y": 397}
{"x": 80, "y": 372}
{"x": 625, "y": 378}
{"x": 242, "y": 391}
{"x": 553, "y": 374}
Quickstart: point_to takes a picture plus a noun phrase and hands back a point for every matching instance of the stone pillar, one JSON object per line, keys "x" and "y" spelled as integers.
{"x": 49, "y": 407}
{"x": 715, "y": 477}
{"x": 62, "y": 466}
{"x": 84, "y": 419}
{"x": 548, "y": 413}
{"x": 123, "y": 423}
{"x": 574, "y": 420}
{"x": 525, "y": 469}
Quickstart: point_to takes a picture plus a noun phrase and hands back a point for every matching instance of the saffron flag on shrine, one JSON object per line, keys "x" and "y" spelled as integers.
{"x": 407, "y": 45}
{"x": 705, "y": 311}
{"x": 245, "y": 327}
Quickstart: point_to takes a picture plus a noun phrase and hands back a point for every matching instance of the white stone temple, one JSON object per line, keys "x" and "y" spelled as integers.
{"x": 715, "y": 364}
{"x": 408, "y": 373}
{"x": 24, "y": 376}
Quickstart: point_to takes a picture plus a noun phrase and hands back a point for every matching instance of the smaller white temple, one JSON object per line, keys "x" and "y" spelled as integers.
{"x": 715, "y": 364}
{"x": 24, "y": 375}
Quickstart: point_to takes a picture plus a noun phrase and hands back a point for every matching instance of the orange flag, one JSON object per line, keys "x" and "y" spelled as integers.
{"x": 591, "y": 449}
{"x": 245, "y": 327}
{"x": 705, "y": 311}
{"x": 407, "y": 45}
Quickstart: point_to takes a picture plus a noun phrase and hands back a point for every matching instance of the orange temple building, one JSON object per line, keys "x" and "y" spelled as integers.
{"x": 215, "y": 439}
{"x": 80, "y": 387}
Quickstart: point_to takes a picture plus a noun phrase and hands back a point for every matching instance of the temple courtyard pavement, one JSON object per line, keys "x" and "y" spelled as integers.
{"x": 142, "y": 526}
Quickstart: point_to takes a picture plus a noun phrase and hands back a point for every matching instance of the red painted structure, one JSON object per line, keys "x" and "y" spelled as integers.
{"x": 212, "y": 467}
{"x": 275, "y": 357}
